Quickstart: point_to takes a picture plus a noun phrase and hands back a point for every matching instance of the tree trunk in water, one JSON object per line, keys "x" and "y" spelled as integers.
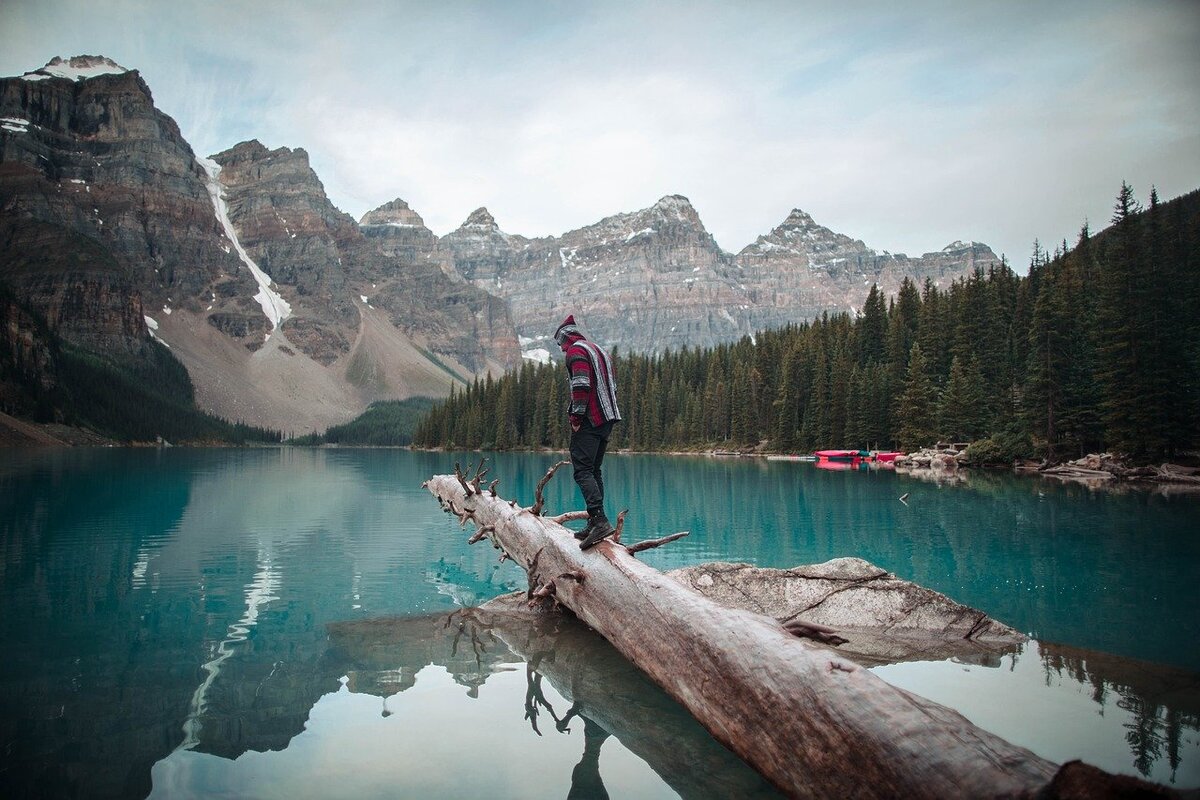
{"x": 812, "y": 723}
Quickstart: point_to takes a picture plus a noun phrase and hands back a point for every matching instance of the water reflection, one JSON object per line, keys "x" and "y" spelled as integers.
{"x": 1163, "y": 703}
{"x": 258, "y": 594}
{"x": 171, "y": 606}
{"x": 1062, "y": 702}
{"x": 551, "y": 679}
{"x": 597, "y": 687}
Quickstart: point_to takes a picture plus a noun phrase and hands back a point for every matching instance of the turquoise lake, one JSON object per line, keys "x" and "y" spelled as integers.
{"x": 296, "y": 623}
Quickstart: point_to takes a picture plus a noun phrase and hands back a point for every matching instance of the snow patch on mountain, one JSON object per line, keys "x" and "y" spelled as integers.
{"x": 636, "y": 234}
{"x": 539, "y": 355}
{"x": 273, "y": 305}
{"x": 76, "y": 68}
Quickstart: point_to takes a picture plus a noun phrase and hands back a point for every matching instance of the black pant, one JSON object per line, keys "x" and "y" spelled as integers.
{"x": 587, "y": 454}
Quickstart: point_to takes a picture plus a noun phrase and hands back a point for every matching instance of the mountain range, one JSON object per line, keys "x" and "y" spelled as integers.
{"x": 119, "y": 241}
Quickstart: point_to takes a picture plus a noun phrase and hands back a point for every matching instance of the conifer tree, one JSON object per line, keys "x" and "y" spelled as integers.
{"x": 815, "y": 428}
{"x": 506, "y": 416}
{"x": 1122, "y": 344}
{"x": 1048, "y": 363}
{"x": 872, "y": 329}
{"x": 786, "y": 412}
{"x": 918, "y": 404}
{"x": 856, "y": 423}
{"x": 962, "y": 411}
{"x": 932, "y": 330}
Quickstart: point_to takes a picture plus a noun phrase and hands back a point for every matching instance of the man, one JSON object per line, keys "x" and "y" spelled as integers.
{"x": 593, "y": 412}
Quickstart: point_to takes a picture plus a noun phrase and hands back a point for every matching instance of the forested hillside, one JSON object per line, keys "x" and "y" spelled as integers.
{"x": 1098, "y": 347}
{"x": 386, "y": 423}
{"x": 131, "y": 399}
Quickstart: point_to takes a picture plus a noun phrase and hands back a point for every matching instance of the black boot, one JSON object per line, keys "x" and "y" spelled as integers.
{"x": 594, "y": 513}
{"x": 601, "y": 529}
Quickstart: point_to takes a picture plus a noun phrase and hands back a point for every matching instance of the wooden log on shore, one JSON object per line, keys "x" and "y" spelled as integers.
{"x": 1078, "y": 472}
{"x": 812, "y": 723}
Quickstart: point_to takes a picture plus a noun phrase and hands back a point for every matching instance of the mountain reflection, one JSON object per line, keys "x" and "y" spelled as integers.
{"x": 171, "y": 610}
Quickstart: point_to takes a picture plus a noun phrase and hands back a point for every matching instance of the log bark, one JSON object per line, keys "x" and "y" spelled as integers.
{"x": 812, "y": 723}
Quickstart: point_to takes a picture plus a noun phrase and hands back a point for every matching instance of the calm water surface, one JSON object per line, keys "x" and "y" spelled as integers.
{"x": 289, "y": 623}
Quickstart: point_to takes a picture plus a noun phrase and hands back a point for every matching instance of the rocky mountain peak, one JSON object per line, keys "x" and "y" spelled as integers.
{"x": 480, "y": 218}
{"x": 959, "y": 246}
{"x": 396, "y": 213}
{"x": 798, "y": 219}
{"x": 965, "y": 252}
{"x": 678, "y": 207}
{"x": 254, "y": 150}
{"x": 76, "y": 68}
{"x": 673, "y": 202}
{"x": 800, "y": 235}
{"x": 251, "y": 150}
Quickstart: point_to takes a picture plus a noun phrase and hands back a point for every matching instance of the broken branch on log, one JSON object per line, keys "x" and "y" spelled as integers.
{"x": 538, "y": 499}
{"x": 479, "y": 473}
{"x": 463, "y": 516}
{"x": 482, "y": 533}
{"x": 542, "y": 592}
{"x": 570, "y": 516}
{"x": 814, "y": 631}
{"x": 492, "y": 488}
{"x": 650, "y": 544}
{"x": 616, "y": 537}
{"x": 769, "y": 697}
{"x": 531, "y": 573}
{"x": 458, "y": 473}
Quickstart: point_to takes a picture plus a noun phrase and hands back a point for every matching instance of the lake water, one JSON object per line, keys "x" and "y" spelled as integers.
{"x": 291, "y": 623}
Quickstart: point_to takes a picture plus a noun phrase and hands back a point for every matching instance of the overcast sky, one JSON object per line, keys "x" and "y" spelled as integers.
{"x": 906, "y": 125}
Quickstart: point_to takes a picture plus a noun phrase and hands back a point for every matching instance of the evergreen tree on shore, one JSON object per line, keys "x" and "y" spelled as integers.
{"x": 1098, "y": 347}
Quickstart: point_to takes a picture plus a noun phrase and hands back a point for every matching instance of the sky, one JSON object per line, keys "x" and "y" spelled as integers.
{"x": 906, "y": 125}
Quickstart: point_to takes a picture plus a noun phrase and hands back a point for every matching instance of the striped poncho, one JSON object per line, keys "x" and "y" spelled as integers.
{"x": 593, "y": 383}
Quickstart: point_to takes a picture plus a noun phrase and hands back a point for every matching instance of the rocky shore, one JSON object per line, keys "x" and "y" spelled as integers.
{"x": 1106, "y": 467}
{"x": 945, "y": 463}
{"x": 880, "y": 618}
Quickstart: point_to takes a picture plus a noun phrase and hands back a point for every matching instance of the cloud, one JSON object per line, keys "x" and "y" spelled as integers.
{"x": 906, "y": 127}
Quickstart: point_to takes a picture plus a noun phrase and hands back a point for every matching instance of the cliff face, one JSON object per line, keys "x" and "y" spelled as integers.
{"x": 656, "y": 279}
{"x": 288, "y": 313}
{"x": 324, "y": 262}
{"x": 801, "y": 269}
{"x": 285, "y": 312}
{"x": 27, "y": 369}
{"x": 470, "y": 325}
{"x": 102, "y": 204}
{"x": 649, "y": 280}
{"x": 291, "y": 231}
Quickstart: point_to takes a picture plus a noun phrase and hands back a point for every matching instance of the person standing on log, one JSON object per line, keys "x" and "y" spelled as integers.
{"x": 593, "y": 413}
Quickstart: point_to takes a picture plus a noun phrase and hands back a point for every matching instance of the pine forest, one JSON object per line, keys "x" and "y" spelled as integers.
{"x": 1096, "y": 349}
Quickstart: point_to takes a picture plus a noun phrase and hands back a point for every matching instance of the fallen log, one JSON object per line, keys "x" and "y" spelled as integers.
{"x": 383, "y": 656}
{"x": 811, "y": 722}
{"x": 604, "y": 687}
{"x": 1079, "y": 472}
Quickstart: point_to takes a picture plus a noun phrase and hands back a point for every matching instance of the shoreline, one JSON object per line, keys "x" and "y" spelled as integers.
{"x": 941, "y": 466}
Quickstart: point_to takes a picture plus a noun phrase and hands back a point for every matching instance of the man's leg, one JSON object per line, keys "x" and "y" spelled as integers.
{"x": 586, "y": 445}
{"x": 601, "y": 449}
